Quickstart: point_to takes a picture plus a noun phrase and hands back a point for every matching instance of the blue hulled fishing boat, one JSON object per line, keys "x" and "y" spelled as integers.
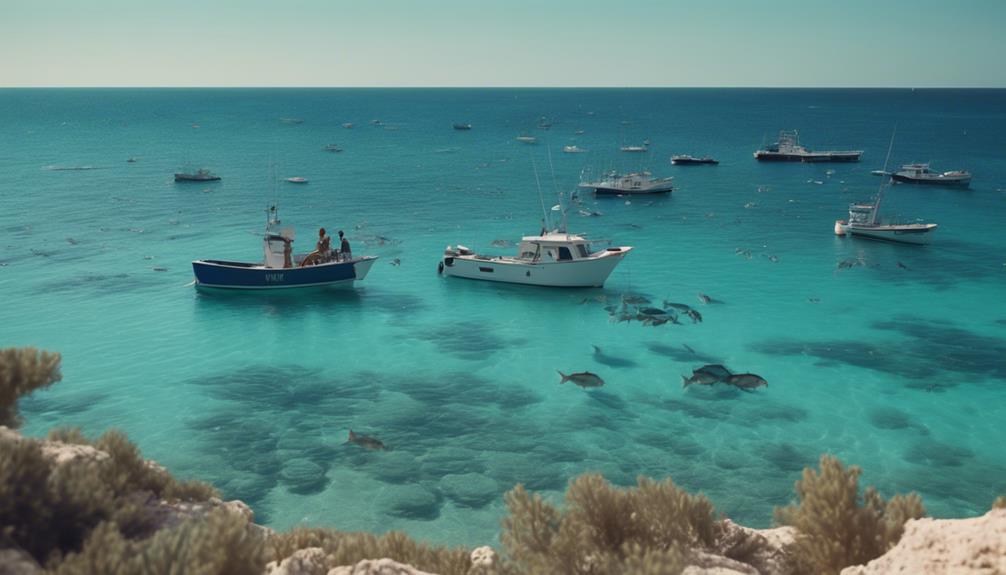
{"x": 281, "y": 268}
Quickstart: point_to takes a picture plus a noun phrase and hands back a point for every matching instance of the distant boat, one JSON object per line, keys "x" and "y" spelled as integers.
{"x": 201, "y": 175}
{"x": 880, "y": 173}
{"x": 788, "y": 149}
{"x": 333, "y": 148}
{"x": 614, "y": 184}
{"x": 686, "y": 160}
{"x": 376, "y": 123}
{"x": 921, "y": 174}
{"x": 297, "y": 180}
{"x": 291, "y": 120}
{"x": 131, "y": 161}
{"x": 573, "y": 149}
{"x": 578, "y": 132}
{"x": 637, "y": 149}
{"x": 348, "y": 125}
{"x": 462, "y": 126}
{"x": 527, "y": 139}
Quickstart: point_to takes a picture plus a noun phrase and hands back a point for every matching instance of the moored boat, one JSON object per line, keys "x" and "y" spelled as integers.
{"x": 200, "y": 175}
{"x": 462, "y": 126}
{"x": 634, "y": 183}
{"x": 921, "y": 174}
{"x": 573, "y": 150}
{"x": 281, "y": 269}
{"x": 527, "y": 139}
{"x": 686, "y": 160}
{"x": 333, "y": 148}
{"x": 788, "y": 149}
{"x": 637, "y": 149}
{"x": 297, "y": 180}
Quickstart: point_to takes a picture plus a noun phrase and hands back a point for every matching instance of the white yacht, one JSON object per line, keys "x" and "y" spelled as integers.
{"x": 527, "y": 139}
{"x": 554, "y": 258}
{"x": 615, "y": 184}
{"x": 643, "y": 148}
{"x": 921, "y": 174}
{"x": 573, "y": 150}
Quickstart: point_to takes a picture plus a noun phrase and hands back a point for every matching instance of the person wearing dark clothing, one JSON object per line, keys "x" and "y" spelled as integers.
{"x": 344, "y": 248}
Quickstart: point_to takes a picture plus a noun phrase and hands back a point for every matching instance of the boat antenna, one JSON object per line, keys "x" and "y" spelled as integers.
{"x": 555, "y": 187}
{"x": 885, "y": 180}
{"x": 541, "y": 198}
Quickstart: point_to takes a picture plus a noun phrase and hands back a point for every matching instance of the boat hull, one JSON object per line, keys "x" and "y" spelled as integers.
{"x": 189, "y": 178}
{"x": 579, "y": 273}
{"x": 692, "y": 161}
{"x": 945, "y": 182}
{"x": 808, "y": 157}
{"x": 247, "y": 276}
{"x": 919, "y": 234}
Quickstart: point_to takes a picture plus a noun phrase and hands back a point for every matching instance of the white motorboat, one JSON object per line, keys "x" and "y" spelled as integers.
{"x": 637, "y": 149}
{"x": 614, "y": 184}
{"x": 864, "y": 220}
{"x": 573, "y": 150}
{"x": 527, "y": 139}
{"x": 297, "y": 180}
{"x": 921, "y": 174}
{"x": 554, "y": 258}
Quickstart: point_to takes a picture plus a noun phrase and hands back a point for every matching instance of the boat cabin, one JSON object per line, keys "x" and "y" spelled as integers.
{"x": 553, "y": 248}
{"x": 861, "y": 214}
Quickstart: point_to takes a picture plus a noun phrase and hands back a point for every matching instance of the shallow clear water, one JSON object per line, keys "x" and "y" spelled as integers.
{"x": 897, "y": 368}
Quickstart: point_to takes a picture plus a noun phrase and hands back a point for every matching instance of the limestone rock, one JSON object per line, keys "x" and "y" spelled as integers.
{"x": 762, "y": 549}
{"x": 308, "y": 561}
{"x": 701, "y": 563}
{"x": 484, "y": 561}
{"x": 56, "y": 451}
{"x": 18, "y": 562}
{"x": 929, "y": 546}
{"x": 378, "y": 567}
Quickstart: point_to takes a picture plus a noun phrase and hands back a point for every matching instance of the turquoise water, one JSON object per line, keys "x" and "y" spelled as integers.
{"x": 897, "y": 368}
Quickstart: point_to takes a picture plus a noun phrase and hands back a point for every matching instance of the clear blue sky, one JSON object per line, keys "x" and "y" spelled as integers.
{"x": 502, "y": 43}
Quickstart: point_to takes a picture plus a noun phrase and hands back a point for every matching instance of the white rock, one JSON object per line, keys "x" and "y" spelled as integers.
{"x": 378, "y": 567}
{"x": 484, "y": 557}
{"x": 308, "y": 561}
{"x": 929, "y": 546}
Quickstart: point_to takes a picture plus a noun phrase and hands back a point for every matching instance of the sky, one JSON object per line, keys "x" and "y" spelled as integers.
{"x": 492, "y": 43}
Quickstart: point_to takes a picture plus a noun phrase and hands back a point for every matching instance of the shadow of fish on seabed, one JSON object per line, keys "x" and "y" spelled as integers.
{"x": 611, "y": 360}
{"x": 366, "y": 442}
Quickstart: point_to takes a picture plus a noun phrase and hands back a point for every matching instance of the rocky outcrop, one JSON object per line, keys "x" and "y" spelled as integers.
{"x": 764, "y": 550}
{"x": 309, "y": 561}
{"x": 935, "y": 546}
{"x": 378, "y": 567}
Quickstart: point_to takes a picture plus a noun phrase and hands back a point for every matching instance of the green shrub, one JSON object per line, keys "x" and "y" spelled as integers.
{"x": 350, "y": 548}
{"x": 999, "y": 503}
{"x": 46, "y": 511}
{"x": 22, "y": 371}
{"x": 71, "y": 435}
{"x": 605, "y": 529}
{"x": 834, "y": 530}
{"x": 126, "y": 472}
{"x": 221, "y": 543}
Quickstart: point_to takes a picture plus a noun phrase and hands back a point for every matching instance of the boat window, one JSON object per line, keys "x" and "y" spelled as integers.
{"x": 564, "y": 254}
{"x": 582, "y": 250}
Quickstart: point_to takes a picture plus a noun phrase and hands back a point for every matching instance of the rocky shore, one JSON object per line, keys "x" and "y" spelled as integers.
{"x": 928, "y": 546}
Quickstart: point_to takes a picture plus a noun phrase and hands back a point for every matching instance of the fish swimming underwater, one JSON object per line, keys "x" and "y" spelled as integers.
{"x": 365, "y": 441}
{"x": 584, "y": 379}
{"x": 745, "y": 381}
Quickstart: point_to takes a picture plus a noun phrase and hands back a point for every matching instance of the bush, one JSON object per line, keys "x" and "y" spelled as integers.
{"x": 604, "y": 529}
{"x": 22, "y": 371}
{"x": 999, "y": 503}
{"x": 221, "y": 543}
{"x": 126, "y": 472}
{"x": 350, "y": 548}
{"x": 834, "y": 530}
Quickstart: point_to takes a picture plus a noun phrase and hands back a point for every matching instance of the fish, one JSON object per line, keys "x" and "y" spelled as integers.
{"x": 396, "y": 262}
{"x": 74, "y": 242}
{"x": 903, "y": 266}
{"x": 652, "y": 311}
{"x": 584, "y": 379}
{"x": 716, "y": 370}
{"x": 846, "y": 264}
{"x": 160, "y": 269}
{"x": 678, "y": 306}
{"x": 745, "y": 381}
{"x": 635, "y": 299}
{"x": 365, "y": 441}
{"x": 695, "y": 315}
{"x": 743, "y": 252}
{"x": 708, "y": 300}
{"x": 700, "y": 378}
{"x": 773, "y": 259}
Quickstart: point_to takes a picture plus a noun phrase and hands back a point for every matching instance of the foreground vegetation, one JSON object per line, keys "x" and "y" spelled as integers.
{"x": 104, "y": 513}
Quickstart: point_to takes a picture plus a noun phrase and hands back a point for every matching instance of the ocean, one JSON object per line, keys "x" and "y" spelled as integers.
{"x": 894, "y": 361}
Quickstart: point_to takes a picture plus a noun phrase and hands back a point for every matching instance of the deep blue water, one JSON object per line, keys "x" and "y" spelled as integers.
{"x": 897, "y": 368}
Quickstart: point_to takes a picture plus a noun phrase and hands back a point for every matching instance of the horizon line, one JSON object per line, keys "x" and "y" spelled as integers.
{"x": 515, "y": 87}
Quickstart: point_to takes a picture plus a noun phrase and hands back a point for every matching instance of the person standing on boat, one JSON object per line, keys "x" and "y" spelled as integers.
{"x": 287, "y": 253}
{"x": 321, "y": 252}
{"x": 344, "y": 248}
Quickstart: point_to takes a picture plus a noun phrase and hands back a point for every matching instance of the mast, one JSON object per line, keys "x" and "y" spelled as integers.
{"x": 880, "y": 192}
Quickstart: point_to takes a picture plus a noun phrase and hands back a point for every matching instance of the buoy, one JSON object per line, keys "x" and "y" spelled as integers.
{"x": 839, "y": 227}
